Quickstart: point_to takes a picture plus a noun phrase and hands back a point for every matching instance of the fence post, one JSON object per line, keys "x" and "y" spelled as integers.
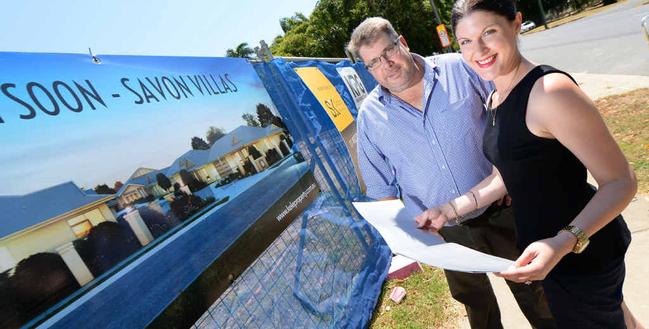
{"x": 138, "y": 226}
{"x": 75, "y": 263}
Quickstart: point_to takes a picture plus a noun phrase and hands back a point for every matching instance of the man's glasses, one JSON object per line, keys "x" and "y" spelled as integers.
{"x": 387, "y": 54}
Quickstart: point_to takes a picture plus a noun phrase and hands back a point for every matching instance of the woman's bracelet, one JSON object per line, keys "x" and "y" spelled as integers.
{"x": 458, "y": 218}
{"x": 474, "y": 199}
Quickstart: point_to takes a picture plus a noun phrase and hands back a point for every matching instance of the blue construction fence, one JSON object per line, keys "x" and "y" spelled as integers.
{"x": 306, "y": 116}
{"x": 327, "y": 268}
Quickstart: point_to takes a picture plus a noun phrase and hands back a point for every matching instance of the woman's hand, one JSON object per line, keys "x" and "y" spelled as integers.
{"x": 539, "y": 258}
{"x": 432, "y": 219}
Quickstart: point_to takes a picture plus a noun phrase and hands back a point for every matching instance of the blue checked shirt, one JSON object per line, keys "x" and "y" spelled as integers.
{"x": 426, "y": 157}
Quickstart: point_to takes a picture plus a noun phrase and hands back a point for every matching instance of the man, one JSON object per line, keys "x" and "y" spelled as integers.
{"x": 420, "y": 139}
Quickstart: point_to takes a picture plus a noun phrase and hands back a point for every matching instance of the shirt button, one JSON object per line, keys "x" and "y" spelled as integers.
{"x": 434, "y": 143}
{"x": 443, "y": 167}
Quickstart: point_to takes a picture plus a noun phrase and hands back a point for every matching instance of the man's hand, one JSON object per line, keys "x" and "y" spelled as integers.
{"x": 432, "y": 219}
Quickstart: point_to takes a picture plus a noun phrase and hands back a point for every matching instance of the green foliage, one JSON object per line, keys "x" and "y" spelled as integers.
{"x": 288, "y": 23}
{"x": 163, "y": 181}
{"x": 104, "y": 189}
{"x": 326, "y": 32}
{"x": 250, "y": 120}
{"x": 264, "y": 115}
{"x": 242, "y": 50}
{"x": 199, "y": 144}
{"x": 184, "y": 206}
{"x": 186, "y": 177}
{"x": 553, "y": 8}
{"x": 254, "y": 152}
{"x": 213, "y": 134}
{"x": 428, "y": 303}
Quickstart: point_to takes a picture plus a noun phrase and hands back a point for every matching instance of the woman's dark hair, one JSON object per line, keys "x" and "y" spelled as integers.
{"x": 461, "y": 8}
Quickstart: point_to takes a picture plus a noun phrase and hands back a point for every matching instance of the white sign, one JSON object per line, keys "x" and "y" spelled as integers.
{"x": 354, "y": 84}
{"x": 400, "y": 232}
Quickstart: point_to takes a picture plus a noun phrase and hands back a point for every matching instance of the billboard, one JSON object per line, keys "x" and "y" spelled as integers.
{"x": 134, "y": 177}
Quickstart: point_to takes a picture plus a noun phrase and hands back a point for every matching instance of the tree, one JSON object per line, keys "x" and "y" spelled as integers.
{"x": 199, "y": 144}
{"x": 213, "y": 134}
{"x": 250, "y": 120}
{"x": 106, "y": 245}
{"x": 249, "y": 168}
{"x": 554, "y": 8}
{"x": 254, "y": 152}
{"x": 328, "y": 29}
{"x": 40, "y": 281}
{"x": 104, "y": 189}
{"x": 242, "y": 50}
{"x": 163, "y": 181}
{"x": 118, "y": 185}
{"x": 272, "y": 156}
{"x": 289, "y": 23}
{"x": 186, "y": 177}
{"x": 264, "y": 115}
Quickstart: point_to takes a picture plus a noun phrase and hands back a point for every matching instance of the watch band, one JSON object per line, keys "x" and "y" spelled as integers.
{"x": 582, "y": 238}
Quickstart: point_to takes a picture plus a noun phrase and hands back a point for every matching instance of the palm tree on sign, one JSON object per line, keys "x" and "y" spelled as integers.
{"x": 242, "y": 50}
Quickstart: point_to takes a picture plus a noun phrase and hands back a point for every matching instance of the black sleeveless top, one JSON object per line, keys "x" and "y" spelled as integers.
{"x": 546, "y": 182}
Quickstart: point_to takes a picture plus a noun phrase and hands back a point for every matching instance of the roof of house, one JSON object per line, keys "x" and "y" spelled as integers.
{"x": 141, "y": 172}
{"x": 144, "y": 179}
{"x": 192, "y": 159}
{"x": 124, "y": 187}
{"x": 19, "y": 212}
{"x": 238, "y": 138}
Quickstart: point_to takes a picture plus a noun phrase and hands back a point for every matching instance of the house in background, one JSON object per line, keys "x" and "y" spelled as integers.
{"x": 129, "y": 193}
{"x": 226, "y": 156}
{"x": 198, "y": 164}
{"x": 230, "y": 152}
{"x": 141, "y": 184}
{"x": 47, "y": 219}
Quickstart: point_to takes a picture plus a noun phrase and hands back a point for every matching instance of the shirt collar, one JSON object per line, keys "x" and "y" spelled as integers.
{"x": 430, "y": 70}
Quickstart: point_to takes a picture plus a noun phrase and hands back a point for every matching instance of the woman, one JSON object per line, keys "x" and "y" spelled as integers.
{"x": 542, "y": 134}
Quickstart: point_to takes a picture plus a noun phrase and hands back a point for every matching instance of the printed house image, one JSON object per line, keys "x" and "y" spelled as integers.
{"x": 139, "y": 186}
{"x": 230, "y": 152}
{"x": 48, "y": 219}
{"x": 233, "y": 153}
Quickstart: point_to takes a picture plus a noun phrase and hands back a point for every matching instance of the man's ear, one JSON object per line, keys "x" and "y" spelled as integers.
{"x": 404, "y": 42}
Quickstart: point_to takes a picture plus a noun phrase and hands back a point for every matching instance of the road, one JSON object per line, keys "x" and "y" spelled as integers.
{"x": 139, "y": 292}
{"x": 610, "y": 42}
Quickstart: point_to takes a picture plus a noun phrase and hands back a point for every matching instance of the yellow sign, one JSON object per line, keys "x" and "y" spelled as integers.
{"x": 327, "y": 95}
{"x": 443, "y": 35}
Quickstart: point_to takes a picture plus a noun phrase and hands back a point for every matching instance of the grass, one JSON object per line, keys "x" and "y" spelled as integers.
{"x": 627, "y": 117}
{"x": 428, "y": 303}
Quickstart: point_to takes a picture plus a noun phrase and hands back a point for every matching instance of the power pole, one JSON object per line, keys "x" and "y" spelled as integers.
{"x": 437, "y": 19}
{"x": 545, "y": 23}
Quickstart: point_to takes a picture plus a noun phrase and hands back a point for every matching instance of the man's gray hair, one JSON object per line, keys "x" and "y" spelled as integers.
{"x": 370, "y": 30}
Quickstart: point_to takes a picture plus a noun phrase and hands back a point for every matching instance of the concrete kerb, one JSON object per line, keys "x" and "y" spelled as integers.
{"x": 636, "y": 215}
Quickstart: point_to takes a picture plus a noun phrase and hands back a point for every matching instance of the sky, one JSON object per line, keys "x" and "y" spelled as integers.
{"x": 108, "y": 143}
{"x": 133, "y": 27}
{"x": 104, "y": 145}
